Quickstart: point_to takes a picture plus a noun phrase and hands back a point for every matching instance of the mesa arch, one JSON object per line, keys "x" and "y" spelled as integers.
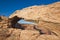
{"x": 45, "y": 16}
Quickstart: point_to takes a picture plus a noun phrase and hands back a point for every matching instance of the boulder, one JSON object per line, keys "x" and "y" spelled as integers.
{"x": 15, "y": 34}
{"x": 29, "y": 35}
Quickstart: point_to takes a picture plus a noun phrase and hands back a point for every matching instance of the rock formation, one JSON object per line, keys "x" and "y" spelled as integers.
{"x": 49, "y": 13}
{"x": 47, "y": 27}
{"x": 4, "y": 22}
{"x": 47, "y": 16}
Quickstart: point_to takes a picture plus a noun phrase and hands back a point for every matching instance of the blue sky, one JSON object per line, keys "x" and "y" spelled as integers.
{"x": 7, "y": 7}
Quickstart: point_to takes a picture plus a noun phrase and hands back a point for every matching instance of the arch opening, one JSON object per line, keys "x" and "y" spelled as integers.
{"x": 15, "y": 21}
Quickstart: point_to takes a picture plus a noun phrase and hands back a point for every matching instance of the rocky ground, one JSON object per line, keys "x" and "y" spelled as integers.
{"x": 44, "y": 29}
{"x": 24, "y": 31}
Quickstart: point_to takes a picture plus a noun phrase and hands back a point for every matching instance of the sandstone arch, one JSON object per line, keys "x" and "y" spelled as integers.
{"x": 47, "y": 16}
